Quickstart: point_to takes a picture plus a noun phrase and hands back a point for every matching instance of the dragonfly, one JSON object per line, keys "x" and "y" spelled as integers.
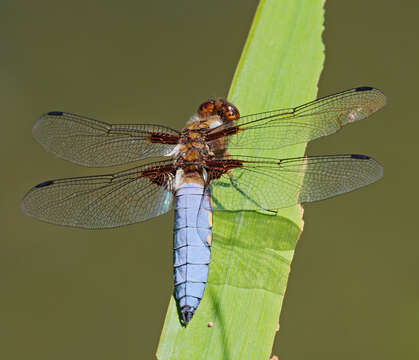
{"x": 190, "y": 164}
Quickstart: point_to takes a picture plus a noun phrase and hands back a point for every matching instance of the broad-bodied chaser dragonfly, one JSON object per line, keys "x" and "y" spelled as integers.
{"x": 197, "y": 159}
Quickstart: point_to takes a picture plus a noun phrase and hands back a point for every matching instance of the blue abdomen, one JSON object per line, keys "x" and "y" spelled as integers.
{"x": 192, "y": 246}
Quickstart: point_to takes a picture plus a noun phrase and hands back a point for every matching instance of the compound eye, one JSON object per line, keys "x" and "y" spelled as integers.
{"x": 230, "y": 112}
{"x": 207, "y": 108}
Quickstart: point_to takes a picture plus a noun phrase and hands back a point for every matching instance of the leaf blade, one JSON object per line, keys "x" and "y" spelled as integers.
{"x": 279, "y": 67}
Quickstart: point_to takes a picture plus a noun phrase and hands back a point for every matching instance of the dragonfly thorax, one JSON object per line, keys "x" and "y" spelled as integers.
{"x": 192, "y": 158}
{"x": 193, "y": 151}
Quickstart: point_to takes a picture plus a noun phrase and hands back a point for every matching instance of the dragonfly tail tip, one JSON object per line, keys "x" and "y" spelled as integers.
{"x": 187, "y": 313}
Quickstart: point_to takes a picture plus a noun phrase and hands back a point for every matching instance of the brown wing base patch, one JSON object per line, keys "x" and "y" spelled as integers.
{"x": 162, "y": 138}
{"x": 159, "y": 175}
{"x": 217, "y": 168}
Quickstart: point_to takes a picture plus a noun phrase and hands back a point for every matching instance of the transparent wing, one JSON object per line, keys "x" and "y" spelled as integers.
{"x": 103, "y": 201}
{"x": 95, "y": 143}
{"x": 275, "y": 184}
{"x": 325, "y": 116}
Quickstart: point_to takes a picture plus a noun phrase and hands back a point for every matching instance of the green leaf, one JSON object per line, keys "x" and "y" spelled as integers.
{"x": 252, "y": 252}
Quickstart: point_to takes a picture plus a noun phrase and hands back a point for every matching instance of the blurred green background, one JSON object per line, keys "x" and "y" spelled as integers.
{"x": 76, "y": 294}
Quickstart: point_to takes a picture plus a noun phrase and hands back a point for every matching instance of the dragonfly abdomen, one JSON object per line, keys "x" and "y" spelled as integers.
{"x": 192, "y": 246}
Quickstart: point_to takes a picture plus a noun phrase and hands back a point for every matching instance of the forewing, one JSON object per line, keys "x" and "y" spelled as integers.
{"x": 272, "y": 185}
{"x": 95, "y": 143}
{"x": 325, "y": 116}
{"x": 103, "y": 201}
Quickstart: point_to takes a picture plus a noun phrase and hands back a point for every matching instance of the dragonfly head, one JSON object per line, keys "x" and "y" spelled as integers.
{"x": 225, "y": 110}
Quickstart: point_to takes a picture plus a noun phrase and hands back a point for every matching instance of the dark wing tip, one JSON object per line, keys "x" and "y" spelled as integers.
{"x": 45, "y": 183}
{"x": 364, "y": 88}
{"x": 360, "y": 156}
{"x": 42, "y": 121}
{"x": 375, "y": 169}
{"x": 367, "y": 101}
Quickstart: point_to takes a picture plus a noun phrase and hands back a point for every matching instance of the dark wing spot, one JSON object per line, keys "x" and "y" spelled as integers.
{"x": 45, "y": 183}
{"x": 364, "y": 88}
{"x": 55, "y": 113}
{"x": 359, "y": 156}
